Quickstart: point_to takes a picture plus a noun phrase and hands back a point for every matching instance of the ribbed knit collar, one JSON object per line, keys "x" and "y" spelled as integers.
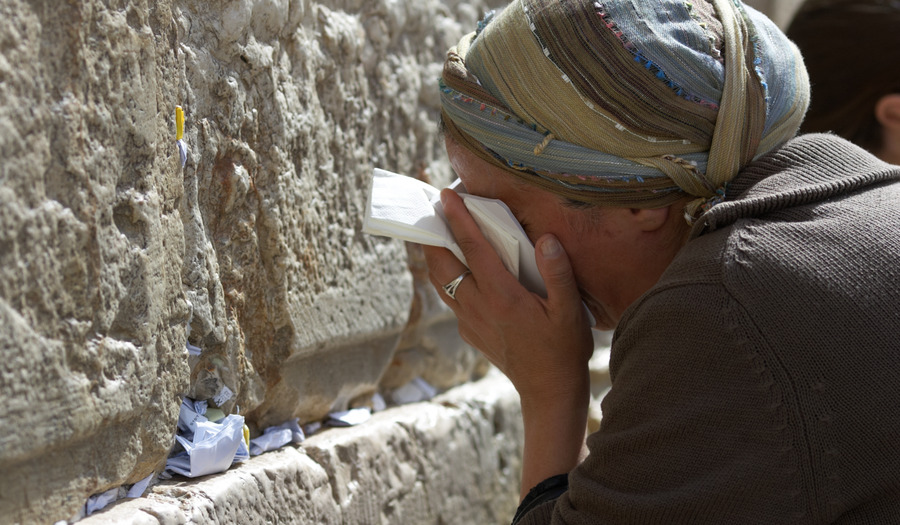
{"x": 807, "y": 169}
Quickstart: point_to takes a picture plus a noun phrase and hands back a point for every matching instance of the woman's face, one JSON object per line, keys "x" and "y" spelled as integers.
{"x": 601, "y": 243}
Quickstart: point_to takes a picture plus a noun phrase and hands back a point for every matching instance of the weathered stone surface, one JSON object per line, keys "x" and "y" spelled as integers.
{"x": 113, "y": 256}
{"x": 430, "y": 346}
{"x": 453, "y": 460}
{"x": 92, "y": 311}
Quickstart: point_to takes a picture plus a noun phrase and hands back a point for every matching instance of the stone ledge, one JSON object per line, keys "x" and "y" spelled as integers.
{"x": 455, "y": 459}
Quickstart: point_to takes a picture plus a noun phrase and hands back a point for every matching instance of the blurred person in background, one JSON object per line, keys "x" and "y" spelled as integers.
{"x": 852, "y": 53}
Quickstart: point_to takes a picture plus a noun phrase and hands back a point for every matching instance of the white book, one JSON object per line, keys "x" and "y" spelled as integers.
{"x": 405, "y": 208}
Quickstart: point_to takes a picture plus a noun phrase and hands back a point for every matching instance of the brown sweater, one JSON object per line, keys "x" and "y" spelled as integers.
{"x": 759, "y": 380}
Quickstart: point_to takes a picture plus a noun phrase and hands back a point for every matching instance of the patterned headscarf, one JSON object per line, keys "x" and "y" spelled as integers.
{"x": 630, "y": 103}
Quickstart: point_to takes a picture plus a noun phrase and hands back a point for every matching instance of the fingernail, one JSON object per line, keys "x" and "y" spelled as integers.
{"x": 551, "y": 248}
{"x": 443, "y": 195}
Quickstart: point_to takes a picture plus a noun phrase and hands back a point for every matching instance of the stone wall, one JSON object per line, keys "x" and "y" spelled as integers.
{"x": 113, "y": 256}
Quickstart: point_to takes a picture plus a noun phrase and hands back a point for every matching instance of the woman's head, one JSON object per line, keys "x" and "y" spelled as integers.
{"x": 616, "y": 253}
{"x": 852, "y": 51}
{"x": 635, "y": 104}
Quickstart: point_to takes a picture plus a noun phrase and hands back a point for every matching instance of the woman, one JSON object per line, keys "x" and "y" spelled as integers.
{"x": 647, "y": 149}
{"x": 856, "y": 95}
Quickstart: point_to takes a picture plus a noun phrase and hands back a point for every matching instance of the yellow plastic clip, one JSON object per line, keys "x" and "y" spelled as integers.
{"x": 179, "y": 123}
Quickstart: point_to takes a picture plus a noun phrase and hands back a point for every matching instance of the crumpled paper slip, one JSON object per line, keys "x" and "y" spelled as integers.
{"x": 137, "y": 490}
{"x": 416, "y": 390}
{"x": 191, "y": 413}
{"x": 214, "y": 447}
{"x": 406, "y": 208}
{"x": 100, "y": 501}
{"x": 312, "y": 427}
{"x": 243, "y": 451}
{"x": 276, "y": 437}
{"x": 193, "y": 350}
{"x": 378, "y": 403}
{"x": 349, "y": 418}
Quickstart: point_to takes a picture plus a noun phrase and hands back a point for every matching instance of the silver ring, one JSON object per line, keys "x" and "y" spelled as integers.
{"x": 450, "y": 288}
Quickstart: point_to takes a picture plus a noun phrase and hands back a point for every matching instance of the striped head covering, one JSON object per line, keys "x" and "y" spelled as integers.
{"x": 630, "y": 103}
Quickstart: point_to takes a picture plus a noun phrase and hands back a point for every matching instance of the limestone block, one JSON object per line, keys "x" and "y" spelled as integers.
{"x": 301, "y": 312}
{"x": 430, "y": 346}
{"x": 455, "y": 460}
{"x": 92, "y": 310}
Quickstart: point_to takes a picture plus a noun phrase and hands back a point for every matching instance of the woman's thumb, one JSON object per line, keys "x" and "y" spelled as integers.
{"x": 556, "y": 270}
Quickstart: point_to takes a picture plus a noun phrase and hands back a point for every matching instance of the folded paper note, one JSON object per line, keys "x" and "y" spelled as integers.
{"x": 405, "y": 208}
{"x": 275, "y": 437}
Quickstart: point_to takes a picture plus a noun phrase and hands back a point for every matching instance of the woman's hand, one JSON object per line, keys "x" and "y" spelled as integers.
{"x": 538, "y": 343}
{"x": 541, "y": 345}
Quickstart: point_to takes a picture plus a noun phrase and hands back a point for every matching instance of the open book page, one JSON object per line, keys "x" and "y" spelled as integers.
{"x": 406, "y": 208}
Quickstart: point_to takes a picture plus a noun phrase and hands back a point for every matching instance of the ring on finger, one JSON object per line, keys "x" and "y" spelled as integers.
{"x": 450, "y": 288}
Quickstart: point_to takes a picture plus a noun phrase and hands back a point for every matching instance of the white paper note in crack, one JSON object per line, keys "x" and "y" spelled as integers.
{"x": 406, "y": 208}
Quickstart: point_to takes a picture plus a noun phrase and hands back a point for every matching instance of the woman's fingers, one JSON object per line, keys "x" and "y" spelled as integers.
{"x": 484, "y": 263}
{"x": 479, "y": 254}
{"x": 443, "y": 269}
{"x": 527, "y": 337}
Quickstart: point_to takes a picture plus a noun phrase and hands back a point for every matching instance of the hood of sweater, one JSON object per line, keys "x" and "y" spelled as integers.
{"x": 807, "y": 169}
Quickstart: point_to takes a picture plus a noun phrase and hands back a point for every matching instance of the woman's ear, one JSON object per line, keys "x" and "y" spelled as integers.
{"x": 887, "y": 111}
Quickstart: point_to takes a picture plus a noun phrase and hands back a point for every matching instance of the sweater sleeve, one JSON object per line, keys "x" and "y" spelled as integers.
{"x": 697, "y": 428}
